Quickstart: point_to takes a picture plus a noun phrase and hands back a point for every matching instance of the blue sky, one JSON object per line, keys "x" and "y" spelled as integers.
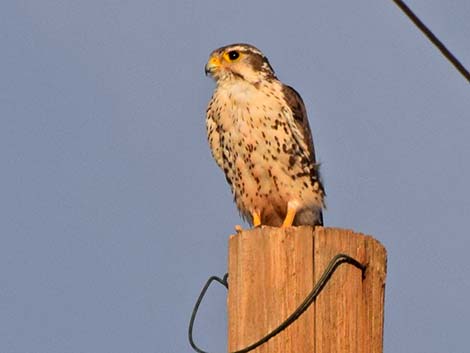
{"x": 113, "y": 213}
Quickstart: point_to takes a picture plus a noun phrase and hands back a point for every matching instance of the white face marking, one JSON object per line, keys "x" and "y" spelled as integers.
{"x": 228, "y": 70}
{"x": 242, "y": 47}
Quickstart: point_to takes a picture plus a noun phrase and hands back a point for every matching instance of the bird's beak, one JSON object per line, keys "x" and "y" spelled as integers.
{"x": 212, "y": 65}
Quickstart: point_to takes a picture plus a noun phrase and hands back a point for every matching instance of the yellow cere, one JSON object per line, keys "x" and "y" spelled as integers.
{"x": 214, "y": 61}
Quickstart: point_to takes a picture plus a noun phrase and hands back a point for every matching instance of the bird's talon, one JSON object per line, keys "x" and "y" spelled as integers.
{"x": 289, "y": 220}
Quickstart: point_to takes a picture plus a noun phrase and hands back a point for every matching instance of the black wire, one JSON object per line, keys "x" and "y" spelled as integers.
{"x": 458, "y": 65}
{"x": 222, "y": 281}
{"x": 330, "y": 269}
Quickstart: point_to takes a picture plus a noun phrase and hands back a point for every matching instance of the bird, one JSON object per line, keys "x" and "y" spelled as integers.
{"x": 259, "y": 135}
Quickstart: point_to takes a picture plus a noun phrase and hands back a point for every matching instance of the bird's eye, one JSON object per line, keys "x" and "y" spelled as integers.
{"x": 233, "y": 55}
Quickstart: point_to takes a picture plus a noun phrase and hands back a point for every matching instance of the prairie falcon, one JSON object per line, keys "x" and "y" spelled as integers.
{"x": 259, "y": 135}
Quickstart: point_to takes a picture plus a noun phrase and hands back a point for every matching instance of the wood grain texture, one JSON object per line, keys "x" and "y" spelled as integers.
{"x": 271, "y": 271}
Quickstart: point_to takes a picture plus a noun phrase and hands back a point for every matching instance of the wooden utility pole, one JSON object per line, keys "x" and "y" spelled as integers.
{"x": 272, "y": 270}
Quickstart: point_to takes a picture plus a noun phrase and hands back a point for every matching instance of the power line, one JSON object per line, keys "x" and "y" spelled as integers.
{"x": 451, "y": 57}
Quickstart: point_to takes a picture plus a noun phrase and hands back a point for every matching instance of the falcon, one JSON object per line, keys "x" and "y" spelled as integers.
{"x": 259, "y": 135}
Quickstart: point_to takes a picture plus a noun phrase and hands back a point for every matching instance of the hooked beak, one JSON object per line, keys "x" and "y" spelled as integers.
{"x": 212, "y": 65}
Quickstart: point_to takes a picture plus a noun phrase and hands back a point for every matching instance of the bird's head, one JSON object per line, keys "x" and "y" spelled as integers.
{"x": 239, "y": 61}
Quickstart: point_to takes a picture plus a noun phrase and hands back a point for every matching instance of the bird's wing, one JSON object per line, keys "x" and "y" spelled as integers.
{"x": 299, "y": 124}
{"x": 300, "y": 128}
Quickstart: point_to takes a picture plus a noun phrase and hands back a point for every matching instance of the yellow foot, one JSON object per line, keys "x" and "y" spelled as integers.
{"x": 291, "y": 211}
{"x": 256, "y": 218}
{"x": 238, "y": 228}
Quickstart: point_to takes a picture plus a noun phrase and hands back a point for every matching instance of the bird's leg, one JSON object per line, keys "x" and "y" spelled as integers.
{"x": 256, "y": 221}
{"x": 256, "y": 218}
{"x": 291, "y": 211}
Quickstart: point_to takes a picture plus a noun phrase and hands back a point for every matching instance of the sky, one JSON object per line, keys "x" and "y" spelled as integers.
{"x": 113, "y": 213}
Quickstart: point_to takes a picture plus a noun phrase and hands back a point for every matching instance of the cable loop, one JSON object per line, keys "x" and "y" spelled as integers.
{"x": 335, "y": 262}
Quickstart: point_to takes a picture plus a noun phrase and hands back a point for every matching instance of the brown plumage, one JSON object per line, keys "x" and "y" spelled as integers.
{"x": 259, "y": 135}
